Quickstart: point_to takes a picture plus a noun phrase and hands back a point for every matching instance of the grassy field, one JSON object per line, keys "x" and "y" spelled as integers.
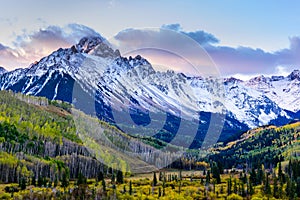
{"x": 192, "y": 186}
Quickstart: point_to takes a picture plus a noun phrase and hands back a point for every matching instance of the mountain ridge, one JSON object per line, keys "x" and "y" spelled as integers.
{"x": 99, "y": 81}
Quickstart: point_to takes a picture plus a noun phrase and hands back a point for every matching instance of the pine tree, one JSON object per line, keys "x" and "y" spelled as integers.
{"x": 81, "y": 179}
{"x": 160, "y": 176}
{"x": 235, "y": 189}
{"x": 229, "y": 186}
{"x": 275, "y": 186}
{"x": 251, "y": 189}
{"x": 208, "y": 178}
{"x": 40, "y": 181}
{"x": 100, "y": 176}
{"x": 164, "y": 186}
{"x": 113, "y": 178}
{"x": 280, "y": 175}
{"x": 154, "y": 179}
{"x": 216, "y": 173}
{"x": 298, "y": 187}
{"x": 103, "y": 185}
{"x": 120, "y": 178}
{"x": 159, "y": 192}
{"x": 64, "y": 181}
{"x": 267, "y": 188}
{"x": 22, "y": 183}
{"x": 33, "y": 180}
{"x": 130, "y": 188}
{"x": 253, "y": 176}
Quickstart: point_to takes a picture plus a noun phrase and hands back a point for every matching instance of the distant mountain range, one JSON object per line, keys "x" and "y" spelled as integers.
{"x": 99, "y": 81}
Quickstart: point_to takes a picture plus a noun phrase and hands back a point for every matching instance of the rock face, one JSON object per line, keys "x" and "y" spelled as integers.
{"x": 98, "y": 79}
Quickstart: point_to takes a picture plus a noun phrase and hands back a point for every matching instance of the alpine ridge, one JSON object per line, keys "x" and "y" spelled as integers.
{"x": 98, "y": 80}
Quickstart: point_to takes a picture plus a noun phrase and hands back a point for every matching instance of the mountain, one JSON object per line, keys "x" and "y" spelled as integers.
{"x": 128, "y": 92}
{"x": 2, "y": 70}
{"x": 284, "y": 91}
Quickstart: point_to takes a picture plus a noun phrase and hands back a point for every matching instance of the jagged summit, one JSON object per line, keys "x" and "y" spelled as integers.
{"x": 294, "y": 75}
{"x": 232, "y": 80}
{"x": 284, "y": 91}
{"x": 260, "y": 78}
{"x": 2, "y": 70}
{"x": 86, "y": 44}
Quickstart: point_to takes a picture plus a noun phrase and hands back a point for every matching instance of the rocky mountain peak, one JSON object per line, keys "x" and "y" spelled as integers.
{"x": 260, "y": 79}
{"x": 294, "y": 75}
{"x": 2, "y": 70}
{"x": 86, "y": 44}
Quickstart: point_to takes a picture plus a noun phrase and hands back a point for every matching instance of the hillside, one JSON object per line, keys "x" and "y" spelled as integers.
{"x": 40, "y": 138}
{"x": 266, "y": 145}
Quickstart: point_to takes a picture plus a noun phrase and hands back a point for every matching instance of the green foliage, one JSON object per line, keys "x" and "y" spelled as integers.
{"x": 22, "y": 183}
{"x": 81, "y": 180}
{"x": 65, "y": 179}
{"x": 33, "y": 120}
{"x": 267, "y": 146}
{"x": 234, "y": 197}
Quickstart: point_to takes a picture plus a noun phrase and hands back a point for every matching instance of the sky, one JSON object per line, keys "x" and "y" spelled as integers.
{"x": 244, "y": 38}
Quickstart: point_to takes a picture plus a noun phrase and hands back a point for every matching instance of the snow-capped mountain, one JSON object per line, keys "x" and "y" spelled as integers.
{"x": 98, "y": 79}
{"x": 284, "y": 91}
{"x": 2, "y": 70}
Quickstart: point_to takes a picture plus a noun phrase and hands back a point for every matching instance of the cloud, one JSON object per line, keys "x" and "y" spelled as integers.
{"x": 191, "y": 47}
{"x": 229, "y": 60}
{"x": 166, "y": 47}
{"x": 200, "y": 36}
{"x": 30, "y": 47}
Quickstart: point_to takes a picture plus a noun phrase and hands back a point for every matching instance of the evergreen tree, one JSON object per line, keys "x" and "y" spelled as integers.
{"x": 275, "y": 186}
{"x": 251, "y": 189}
{"x": 130, "y": 188}
{"x": 120, "y": 178}
{"x": 100, "y": 176}
{"x": 253, "y": 176}
{"x": 124, "y": 189}
{"x": 40, "y": 181}
{"x": 159, "y": 192}
{"x": 103, "y": 185}
{"x": 235, "y": 189}
{"x": 229, "y": 186}
{"x": 22, "y": 183}
{"x": 267, "y": 188}
{"x": 33, "y": 180}
{"x": 113, "y": 178}
{"x": 160, "y": 176}
{"x": 298, "y": 187}
{"x": 216, "y": 173}
{"x": 154, "y": 179}
{"x": 164, "y": 186}
{"x": 260, "y": 175}
{"x": 207, "y": 178}
{"x": 65, "y": 180}
{"x": 280, "y": 175}
{"x": 81, "y": 179}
